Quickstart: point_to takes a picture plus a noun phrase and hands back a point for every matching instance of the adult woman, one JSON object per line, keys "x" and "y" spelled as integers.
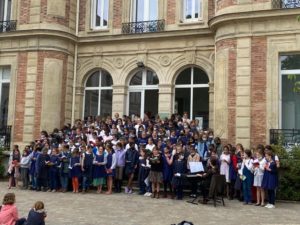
{"x": 13, "y": 167}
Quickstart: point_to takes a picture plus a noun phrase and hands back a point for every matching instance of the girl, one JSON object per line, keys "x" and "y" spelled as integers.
{"x": 144, "y": 169}
{"x": 193, "y": 157}
{"x": 13, "y": 167}
{"x": 270, "y": 178}
{"x": 9, "y": 211}
{"x": 110, "y": 168}
{"x": 167, "y": 158}
{"x": 179, "y": 168}
{"x": 232, "y": 172}
{"x": 224, "y": 168}
{"x": 33, "y": 155}
{"x": 131, "y": 160}
{"x": 24, "y": 164}
{"x": 238, "y": 182}
{"x": 99, "y": 172}
{"x": 150, "y": 144}
{"x": 247, "y": 177}
{"x": 120, "y": 164}
{"x": 87, "y": 159}
{"x": 259, "y": 167}
{"x": 156, "y": 171}
{"x": 64, "y": 167}
{"x": 54, "y": 171}
{"x": 75, "y": 170}
{"x": 37, "y": 214}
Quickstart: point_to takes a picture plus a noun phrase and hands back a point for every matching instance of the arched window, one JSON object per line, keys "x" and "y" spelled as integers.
{"x": 143, "y": 93}
{"x": 4, "y": 94}
{"x": 98, "y": 94}
{"x": 191, "y": 94}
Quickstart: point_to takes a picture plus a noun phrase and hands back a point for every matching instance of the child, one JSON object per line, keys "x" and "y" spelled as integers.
{"x": 24, "y": 164}
{"x": 33, "y": 155}
{"x": 87, "y": 159}
{"x": 131, "y": 160}
{"x": 179, "y": 168}
{"x": 247, "y": 177}
{"x": 156, "y": 171}
{"x": 259, "y": 167}
{"x": 232, "y": 172}
{"x": 238, "y": 182}
{"x": 41, "y": 169}
{"x": 270, "y": 178}
{"x": 75, "y": 170}
{"x": 120, "y": 164}
{"x": 99, "y": 171}
{"x": 54, "y": 171}
{"x": 64, "y": 167}
{"x": 13, "y": 167}
{"x": 167, "y": 170}
{"x": 110, "y": 168}
{"x": 37, "y": 214}
{"x": 224, "y": 168}
{"x": 193, "y": 157}
{"x": 144, "y": 169}
{"x": 9, "y": 211}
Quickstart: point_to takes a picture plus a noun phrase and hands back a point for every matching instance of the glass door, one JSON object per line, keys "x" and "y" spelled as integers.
{"x": 135, "y": 103}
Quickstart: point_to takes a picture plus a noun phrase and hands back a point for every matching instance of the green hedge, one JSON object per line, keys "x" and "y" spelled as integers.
{"x": 289, "y": 173}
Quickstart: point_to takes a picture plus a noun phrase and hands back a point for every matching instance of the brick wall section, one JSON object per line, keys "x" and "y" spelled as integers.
{"x": 211, "y": 9}
{"x": 55, "y": 19}
{"x": 231, "y": 96}
{"x": 171, "y": 12}
{"x": 117, "y": 14}
{"x": 258, "y": 90}
{"x": 82, "y": 13}
{"x": 221, "y": 4}
{"x": 24, "y": 12}
{"x": 20, "y": 98}
{"x": 39, "y": 87}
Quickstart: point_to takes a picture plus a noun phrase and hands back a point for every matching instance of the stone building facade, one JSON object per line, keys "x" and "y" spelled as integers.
{"x": 222, "y": 61}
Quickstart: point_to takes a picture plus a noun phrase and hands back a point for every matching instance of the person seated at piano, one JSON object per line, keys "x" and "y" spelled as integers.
{"x": 212, "y": 169}
{"x": 193, "y": 157}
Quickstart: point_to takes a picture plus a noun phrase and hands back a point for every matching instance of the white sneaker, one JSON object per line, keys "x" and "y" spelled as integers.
{"x": 146, "y": 194}
{"x": 267, "y": 205}
{"x": 271, "y": 206}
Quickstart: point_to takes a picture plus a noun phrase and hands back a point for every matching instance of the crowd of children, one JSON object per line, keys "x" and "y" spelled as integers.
{"x": 102, "y": 153}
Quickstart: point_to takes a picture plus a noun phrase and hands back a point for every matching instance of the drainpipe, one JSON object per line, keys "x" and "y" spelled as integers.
{"x": 75, "y": 64}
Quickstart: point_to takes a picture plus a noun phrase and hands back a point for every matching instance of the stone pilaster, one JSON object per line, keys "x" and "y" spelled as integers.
{"x": 119, "y": 99}
{"x": 165, "y": 100}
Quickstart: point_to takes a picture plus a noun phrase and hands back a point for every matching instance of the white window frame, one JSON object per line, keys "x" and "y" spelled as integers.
{"x": 146, "y": 10}
{"x": 191, "y": 86}
{"x": 5, "y": 11}
{"x": 281, "y": 74}
{"x": 193, "y": 19}
{"x": 140, "y": 88}
{"x": 94, "y": 14}
{"x": 99, "y": 89}
{"x": 3, "y": 81}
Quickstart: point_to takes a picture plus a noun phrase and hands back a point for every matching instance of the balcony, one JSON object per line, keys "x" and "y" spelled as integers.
{"x": 143, "y": 27}
{"x": 7, "y": 26}
{"x": 285, "y": 4}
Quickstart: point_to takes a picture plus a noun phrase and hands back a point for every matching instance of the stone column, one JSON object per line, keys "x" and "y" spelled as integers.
{"x": 119, "y": 101}
{"x": 79, "y": 107}
{"x": 211, "y": 105}
{"x": 165, "y": 100}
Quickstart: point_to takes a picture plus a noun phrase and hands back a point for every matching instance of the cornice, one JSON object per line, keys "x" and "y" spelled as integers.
{"x": 253, "y": 15}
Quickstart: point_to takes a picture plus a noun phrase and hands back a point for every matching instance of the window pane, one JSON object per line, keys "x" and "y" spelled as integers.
{"x": 201, "y": 104}
{"x": 182, "y": 100}
{"x": 153, "y": 9}
{"x": 152, "y": 78}
{"x": 151, "y": 102}
{"x": 184, "y": 77}
{"x": 290, "y": 62}
{"x": 140, "y": 15}
{"x": 197, "y": 7}
{"x": 188, "y": 9}
{"x": 93, "y": 80}
{"x": 106, "y": 103}
{"x": 4, "y": 104}
{"x": 98, "y": 13}
{"x": 91, "y": 103}
{"x": 135, "y": 103}
{"x": 6, "y": 73}
{"x": 2, "y": 10}
{"x": 200, "y": 77}
{"x": 8, "y": 10}
{"x": 137, "y": 79}
{"x": 290, "y": 102}
{"x": 106, "y": 79}
{"x": 105, "y": 13}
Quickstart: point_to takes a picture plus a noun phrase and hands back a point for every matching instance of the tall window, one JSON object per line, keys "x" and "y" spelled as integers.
{"x": 192, "y": 10}
{"x": 290, "y": 91}
{"x": 5, "y": 10}
{"x": 100, "y": 13}
{"x": 98, "y": 94}
{"x": 4, "y": 94}
{"x": 144, "y": 10}
{"x": 191, "y": 94}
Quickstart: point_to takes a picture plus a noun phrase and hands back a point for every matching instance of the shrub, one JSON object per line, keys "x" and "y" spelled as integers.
{"x": 289, "y": 173}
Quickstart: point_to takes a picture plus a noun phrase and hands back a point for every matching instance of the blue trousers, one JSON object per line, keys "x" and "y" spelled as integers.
{"x": 33, "y": 181}
{"x": 54, "y": 180}
{"x": 247, "y": 190}
{"x": 64, "y": 179}
{"x": 271, "y": 196}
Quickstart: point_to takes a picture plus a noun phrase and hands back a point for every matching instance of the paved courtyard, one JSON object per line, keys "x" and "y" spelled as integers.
{"x": 121, "y": 209}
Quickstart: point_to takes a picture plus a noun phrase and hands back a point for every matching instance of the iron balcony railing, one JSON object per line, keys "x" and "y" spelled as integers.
{"x": 5, "y": 137}
{"x": 287, "y": 137}
{"x": 7, "y": 26}
{"x": 285, "y": 4}
{"x": 143, "y": 27}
